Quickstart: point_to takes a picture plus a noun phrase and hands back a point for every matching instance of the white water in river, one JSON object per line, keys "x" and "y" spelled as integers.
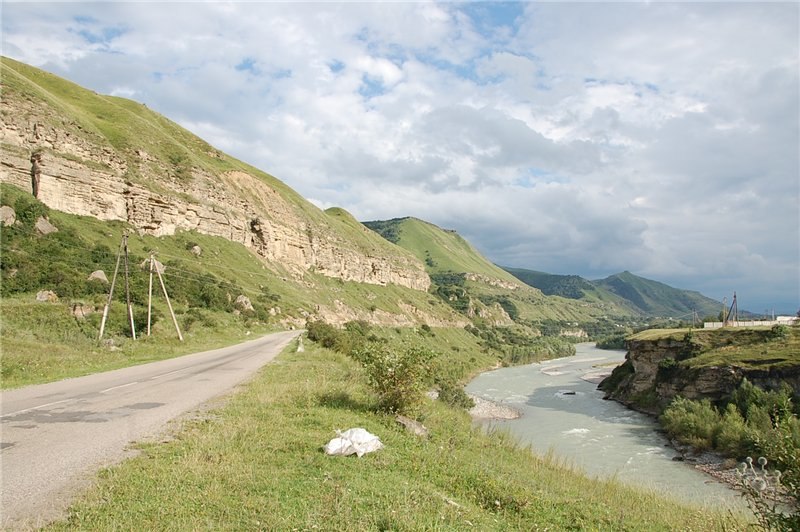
{"x": 567, "y": 415}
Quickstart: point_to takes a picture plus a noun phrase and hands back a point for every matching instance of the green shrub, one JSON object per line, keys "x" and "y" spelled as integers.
{"x": 102, "y": 255}
{"x": 691, "y": 422}
{"x": 758, "y": 419}
{"x": 194, "y": 316}
{"x": 778, "y": 332}
{"x": 781, "y": 441}
{"x": 399, "y": 376}
{"x": 755, "y": 421}
{"x": 614, "y": 341}
{"x": 453, "y": 394}
{"x": 28, "y": 209}
{"x": 519, "y": 349}
{"x": 322, "y": 333}
{"x": 731, "y": 436}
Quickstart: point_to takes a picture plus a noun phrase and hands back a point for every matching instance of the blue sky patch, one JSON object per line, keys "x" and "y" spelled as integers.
{"x": 103, "y": 36}
{"x": 488, "y": 17}
{"x": 281, "y": 73}
{"x": 370, "y": 87}
{"x": 247, "y": 64}
{"x": 336, "y": 66}
{"x": 85, "y": 19}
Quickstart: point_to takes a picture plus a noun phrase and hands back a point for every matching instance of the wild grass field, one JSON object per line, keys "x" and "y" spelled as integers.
{"x": 257, "y": 464}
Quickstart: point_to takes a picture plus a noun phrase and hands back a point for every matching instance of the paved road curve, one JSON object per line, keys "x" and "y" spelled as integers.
{"x": 56, "y": 436}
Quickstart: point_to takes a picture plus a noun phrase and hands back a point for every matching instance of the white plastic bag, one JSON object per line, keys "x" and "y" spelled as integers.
{"x": 353, "y": 441}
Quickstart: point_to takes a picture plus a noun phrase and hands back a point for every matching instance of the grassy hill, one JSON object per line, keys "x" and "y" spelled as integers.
{"x": 45, "y": 341}
{"x": 496, "y": 301}
{"x": 658, "y": 299}
{"x": 634, "y": 294}
{"x": 124, "y": 140}
{"x": 442, "y": 250}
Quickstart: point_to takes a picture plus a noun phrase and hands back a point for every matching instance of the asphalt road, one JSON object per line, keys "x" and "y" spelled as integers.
{"x": 56, "y": 436}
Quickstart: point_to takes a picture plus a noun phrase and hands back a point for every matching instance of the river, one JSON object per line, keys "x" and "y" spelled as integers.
{"x": 565, "y": 414}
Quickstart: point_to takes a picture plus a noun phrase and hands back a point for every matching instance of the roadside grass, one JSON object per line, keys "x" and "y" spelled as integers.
{"x": 43, "y": 342}
{"x": 257, "y": 464}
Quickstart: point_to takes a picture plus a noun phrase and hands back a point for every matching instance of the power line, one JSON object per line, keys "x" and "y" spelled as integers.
{"x": 174, "y": 271}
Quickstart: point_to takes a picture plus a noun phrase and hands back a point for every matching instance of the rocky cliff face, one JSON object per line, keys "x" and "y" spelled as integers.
{"x": 491, "y": 281}
{"x": 75, "y": 170}
{"x": 651, "y": 376}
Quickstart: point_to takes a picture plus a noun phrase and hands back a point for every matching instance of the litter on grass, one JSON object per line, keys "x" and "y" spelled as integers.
{"x": 353, "y": 441}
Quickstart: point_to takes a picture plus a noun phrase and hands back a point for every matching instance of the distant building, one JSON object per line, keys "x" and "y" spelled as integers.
{"x": 779, "y": 320}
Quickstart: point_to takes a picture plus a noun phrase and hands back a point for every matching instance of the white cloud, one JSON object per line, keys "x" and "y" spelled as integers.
{"x": 573, "y": 138}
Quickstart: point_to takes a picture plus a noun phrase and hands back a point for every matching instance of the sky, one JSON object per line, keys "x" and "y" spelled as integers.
{"x": 573, "y": 138}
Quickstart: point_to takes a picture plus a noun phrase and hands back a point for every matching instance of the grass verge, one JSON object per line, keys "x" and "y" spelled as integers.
{"x": 43, "y": 342}
{"x": 257, "y": 463}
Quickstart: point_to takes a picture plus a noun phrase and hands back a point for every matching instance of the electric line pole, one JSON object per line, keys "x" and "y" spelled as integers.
{"x": 166, "y": 296}
{"x": 127, "y": 287}
{"x": 110, "y": 294}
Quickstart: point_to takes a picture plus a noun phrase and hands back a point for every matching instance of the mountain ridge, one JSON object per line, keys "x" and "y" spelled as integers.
{"x": 115, "y": 159}
{"x": 644, "y": 296}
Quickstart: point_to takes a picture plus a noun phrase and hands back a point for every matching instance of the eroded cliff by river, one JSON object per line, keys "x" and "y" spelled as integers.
{"x": 702, "y": 364}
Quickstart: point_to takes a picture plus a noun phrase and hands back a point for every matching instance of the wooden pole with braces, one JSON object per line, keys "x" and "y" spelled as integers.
{"x": 171, "y": 312}
{"x": 110, "y": 294}
{"x": 127, "y": 288}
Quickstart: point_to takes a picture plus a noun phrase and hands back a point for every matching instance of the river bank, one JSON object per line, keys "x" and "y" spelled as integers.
{"x": 559, "y": 411}
{"x": 485, "y": 410}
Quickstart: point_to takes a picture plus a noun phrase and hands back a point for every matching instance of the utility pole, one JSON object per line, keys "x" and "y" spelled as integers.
{"x": 732, "y": 311}
{"x": 150, "y": 296}
{"x": 127, "y": 287}
{"x": 110, "y": 294}
{"x": 166, "y": 296}
{"x": 154, "y": 266}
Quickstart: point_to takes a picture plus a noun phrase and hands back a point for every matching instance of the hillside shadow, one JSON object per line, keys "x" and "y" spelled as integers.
{"x": 343, "y": 401}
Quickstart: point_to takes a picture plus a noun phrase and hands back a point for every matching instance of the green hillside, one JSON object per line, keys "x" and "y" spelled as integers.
{"x": 628, "y": 292}
{"x": 653, "y": 298}
{"x": 570, "y": 286}
{"x": 492, "y": 298}
{"x": 44, "y": 341}
{"x": 156, "y": 151}
{"x": 442, "y": 250}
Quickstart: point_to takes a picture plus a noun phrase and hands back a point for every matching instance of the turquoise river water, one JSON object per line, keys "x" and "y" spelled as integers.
{"x": 564, "y": 413}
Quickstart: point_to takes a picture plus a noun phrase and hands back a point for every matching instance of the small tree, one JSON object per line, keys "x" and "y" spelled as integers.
{"x": 398, "y": 376}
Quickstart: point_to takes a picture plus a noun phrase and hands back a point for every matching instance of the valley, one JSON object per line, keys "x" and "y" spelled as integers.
{"x": 245, "y": 255}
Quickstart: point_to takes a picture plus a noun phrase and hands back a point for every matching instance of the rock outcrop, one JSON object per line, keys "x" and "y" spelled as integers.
{"x": 652, "y": 376}
{"x": 46, "y": 296}
{"x": 492, "y": 281}
{"x": 44, "y": 227}
{"x": 98, "y": 275}
{"x": 7, "y": 215}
